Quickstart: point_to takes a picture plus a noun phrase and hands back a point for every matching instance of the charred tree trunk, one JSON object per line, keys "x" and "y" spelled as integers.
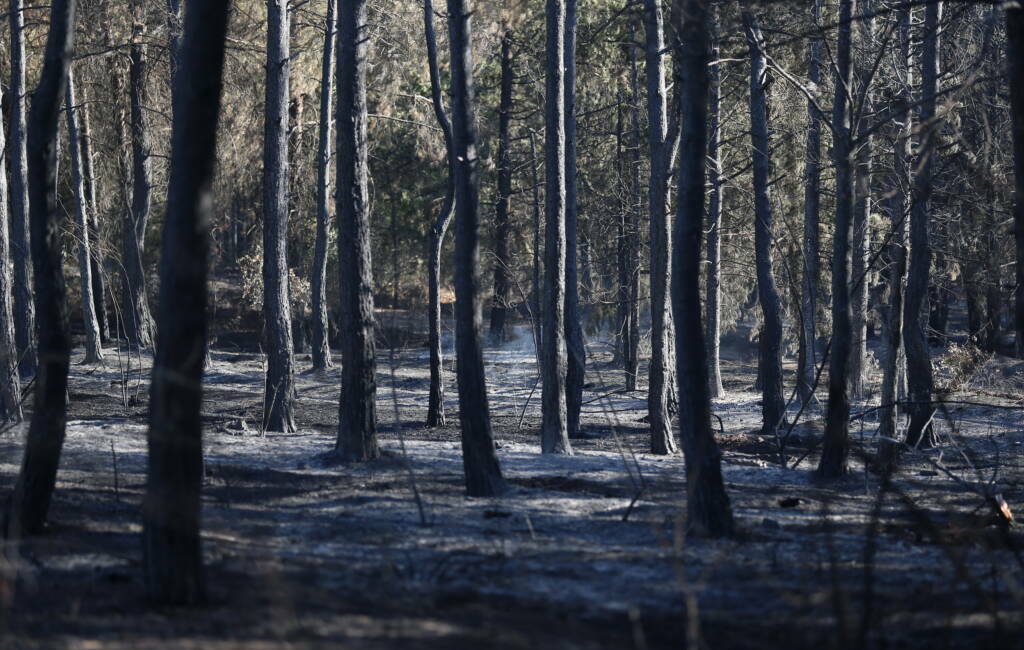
{"x": 633, "y": 239}
{"x": 807, "y": 358}
{"x": 708, "y": 510}
{"x": 10, "y": 384}
{"x": 537, "y": 288}
{"x": 172, "y": 556}
{"x": 554, "y": 425}
{"x": 713, "y": 302}
{"x": 622, "y": 321}
{"x": 483, "y": 474}
{"x": 279, "y": 395}
{"x": 659, "y": 379}
{"x": 773, "y": 401}
{"x": 919, "y": 364}
{"x": 862, "y": 209}
{"x": 321, "y": 345}
{"x": 435, "y": 406}
{"x": 137, "y": 319}
{"x": 899, "y": 206}
{"x": 576, "y": 353}
{"x": 93, "y": 349}
{"x": 24, "y": 306}
{"x": 836, "y": 445}
{"x": 502, "y": 226}
{"x": 34, "y": 487}
{"x": 99, "y": 282}
{"x": 357, "y": 429}
{"x": 1015, "y": 72}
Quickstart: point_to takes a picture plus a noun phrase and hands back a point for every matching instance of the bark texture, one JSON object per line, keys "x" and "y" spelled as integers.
{"x": 770, "y": 366}
{"x": 919, "y": 365}
{"x": 279, "y": 395}
{"x": 836, "y": 445}
{"x": 807, "y": 359}
{"x": 320, "y": 329}
{"x": 172, "y": 555}
{"x": 659, "y": 374}
{"x": 713, "y": 301}
{"x": 435, "y": 405}
{"x": 554, "y": 419}
{"x": 24, "y": 305}
{"x": 576, "y": 353}
{"x": 37, "y": 478}
{"x": 480, "y": 464}
{"x": 135, "y": 310}
{"x": 357, "y": 428}
{"x": 93, "y": 349}
{"x": 708, "y": 510}
{"x": 502, "y": 226}
{"x": 10, "y": 384}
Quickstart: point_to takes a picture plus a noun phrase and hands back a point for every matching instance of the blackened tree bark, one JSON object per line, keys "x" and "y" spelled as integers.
{"x": 898, "y": 208}
{"x": 659, "y": 383}
{"x": 713, "y": 301}
{"x": 93, "y": 349}
{"x": 357, "y": 436}
{"x": 576, "y": 354}
{"x": 502, "y": 225}
{"x": 24, "y": 306}
{"x": 633, "y": 243}
{"x": 862, "y": 206}
{"x": 172, "y": 556}
{"x": 435, "y": 405}
{"x": 773, "y": 401}
{"x": 10, "y": 384}
{"x": 99, "y": 282}
{"x": 708, "y": 510}
{"x": 321, "y": 344}
{"x": 483, "y": 474}
{"x": 806, "y": 356}
{"x": 135, "y": 311}
{"x": 535, "y": 279}
{"x": 554, "y": 419}
{"x": 38, "y": 476}
{"x": 1015, "y": 72}
{"x": 836, "y": 446}
{"x": 622, "y": 320}
{"x": 919, "y": 364}
{"x": 279, "y": 395}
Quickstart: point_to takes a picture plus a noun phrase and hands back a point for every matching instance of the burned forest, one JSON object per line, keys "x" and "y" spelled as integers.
{"x": 579, "y": 324}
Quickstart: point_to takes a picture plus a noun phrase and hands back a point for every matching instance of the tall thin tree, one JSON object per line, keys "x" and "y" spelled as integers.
{"x": 483, "y": 474}
{"x": 318, "y": 282}
{"x": 357, "y": 427}
{"x": 93, "y": 349}
{"x": 713, "y": 302}
{"x": 708, "y": 510}
{"x": 24, "y": 306}
{"x": 33, "y": 490}
{"x": 135, "y": 312}
{"x": 807, "y": 353}
{"x": 99, "y": 282}
{"x": 435, "y": 404}
{"x": 659, "y": 375}
{"x": 836, "y": 446}
{"x": 919, "y": 365}
{"x": 10, "y": 384}
{"x": 554, "y": 419}
{"x": 172, "y": 558}
{"x": 575, "y": 349}
{"x": 773, "y": 402}
{"x": 279, "y": 388}
{"x": 502, "y": 213}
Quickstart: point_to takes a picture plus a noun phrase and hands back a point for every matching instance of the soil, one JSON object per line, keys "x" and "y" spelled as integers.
{"x": 586, "y": 551}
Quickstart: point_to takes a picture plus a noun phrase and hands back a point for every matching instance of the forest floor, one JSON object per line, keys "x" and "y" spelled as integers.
{"x": 585, "y": 551}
